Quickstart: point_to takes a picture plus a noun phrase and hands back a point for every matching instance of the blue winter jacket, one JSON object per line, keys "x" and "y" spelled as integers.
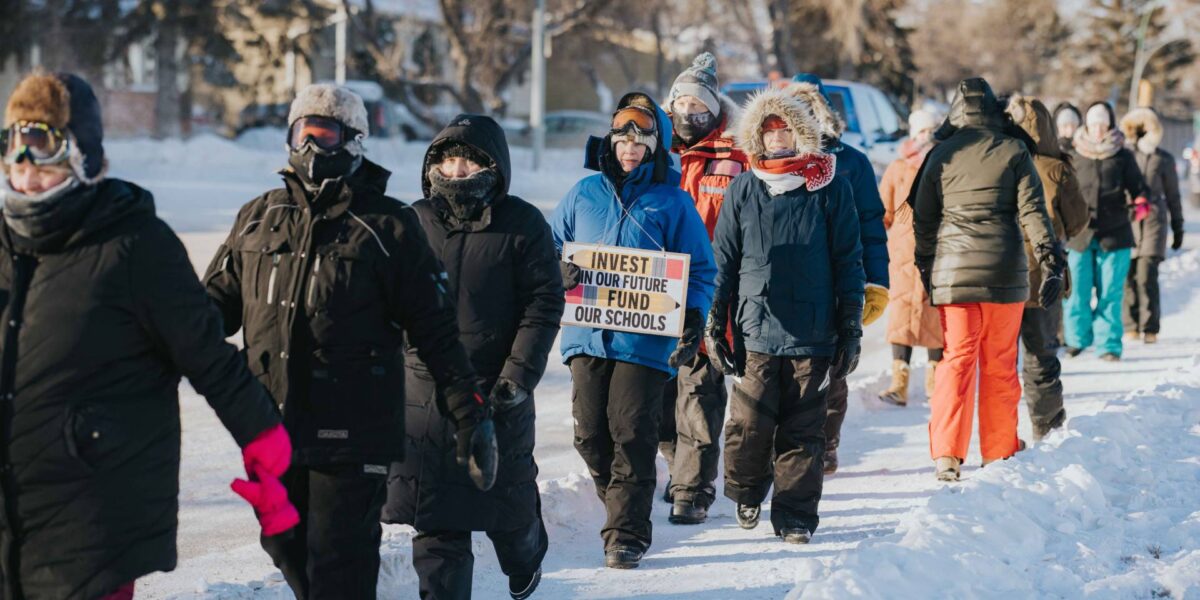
{"x": 791, "y": 260}
{"x": 651, "y": 212}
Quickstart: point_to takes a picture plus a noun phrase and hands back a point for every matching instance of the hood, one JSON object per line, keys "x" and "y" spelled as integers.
{"x": 660, "y": 159}
{"x": 481, "y": 133}
{"x": 785, "y": 104}
{"x": 813, "y": 94}
{"x": 974, "y": 105}
{"x": 1144, "y": 121}
{"x": 1036, "y": 120}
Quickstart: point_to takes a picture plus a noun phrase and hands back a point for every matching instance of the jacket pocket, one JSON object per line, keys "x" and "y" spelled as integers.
{"x": 265, "y": 258}
{"x": 342, "y": 280}
{"x": 103, "y": 435}
{"x": 355, "y": 397}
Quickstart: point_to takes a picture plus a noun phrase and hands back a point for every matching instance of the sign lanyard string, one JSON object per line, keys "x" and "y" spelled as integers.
{"x": 625, "y": 213}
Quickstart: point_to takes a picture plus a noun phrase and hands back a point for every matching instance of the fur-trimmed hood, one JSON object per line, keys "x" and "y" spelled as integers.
{"x": 787, "y": 105}
{"x": 832, "y": 125}
{"x": 1143, "y": 130}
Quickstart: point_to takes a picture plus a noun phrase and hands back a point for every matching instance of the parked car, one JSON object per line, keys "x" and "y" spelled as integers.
{"x": 874, "y": 124}
{"x": 255, "y": 116}
{"x": 564, "y": 128}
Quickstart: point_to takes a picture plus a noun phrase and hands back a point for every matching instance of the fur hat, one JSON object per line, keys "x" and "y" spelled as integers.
{"x": 1142, "y": 128}
{"x": 787, "y": 105}
{"x": 66, "y": 102}
{"x": 814, "y": 96}
{"x": 331, "y": 101}
{"x": 699, "y": 80}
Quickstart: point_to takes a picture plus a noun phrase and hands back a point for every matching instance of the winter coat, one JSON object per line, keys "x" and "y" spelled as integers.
{"x": 761, "y": 240}
{"x": 325, "y": 286}
{"x": 709, "y": 166}
{"x": 977, "y": 191}
{"x": 100, "y": 329}
{"x": 1109, "y": 184}
{"x": 650, "y": 212}
{"x": 1066, "y": 206}
{"x": 503, "y": 273}
{"x": 1158, "y": 169}
{"x": 912, "y": 320}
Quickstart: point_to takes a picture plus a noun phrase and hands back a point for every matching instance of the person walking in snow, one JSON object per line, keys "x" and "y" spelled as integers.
{"x": 802, "y": 326}
{"x": 1068, "y": 212}
{"x": 617, "y": 377}
{"x": 912, "y": 321}
{"x": 1192, "y": 167}
{"x": 1113, "y": 187}
{"x": 853, "y": 165}
{"x": 1143, "y": 137}
{"x": 694, "y": 401}
{"x": 1067, "y": 120}
{"x": 104, "y": 314}
{"x": 503, "y": 272}
{"x": 327, "y": 278}
{"x": 976, "y": 193}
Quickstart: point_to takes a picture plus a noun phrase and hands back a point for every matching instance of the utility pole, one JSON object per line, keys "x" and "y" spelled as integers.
{"x": 1141, "y": 57}
{"x": 537, "y": 85}
{"x": 339, "y": 34}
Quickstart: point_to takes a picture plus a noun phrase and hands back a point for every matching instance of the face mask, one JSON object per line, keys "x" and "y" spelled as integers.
{"x": 693, "y": 127}
{"x": 314, "y": 167}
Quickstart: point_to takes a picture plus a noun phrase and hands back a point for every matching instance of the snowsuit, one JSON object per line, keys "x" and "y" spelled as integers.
{"x": 503, "y": 272}
{"x": 1099, "y": 257}
{"x": 694, "y": 401}
{"x": 1069, "y": 216}
{"x": 618, "y": 378}
{"x": 326, "y": 286}
{"x": 103, "y": 315}
{"x": 977, "y": 192}
{"x": 1142, "y": 311}
{"x": 789, "y": 318}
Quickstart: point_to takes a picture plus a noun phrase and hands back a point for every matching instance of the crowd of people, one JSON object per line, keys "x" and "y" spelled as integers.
{"x": 391, "y": 353}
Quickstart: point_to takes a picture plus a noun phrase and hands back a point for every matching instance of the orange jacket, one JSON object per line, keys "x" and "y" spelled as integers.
{"x": 708, "y": 168}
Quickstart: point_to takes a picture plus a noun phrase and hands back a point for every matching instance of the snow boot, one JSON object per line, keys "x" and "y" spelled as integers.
{"x": 1132, "y": 335}
{"x": 1020, "y": 446}
{"x": 1110, "y": 357}
{"x": 747, "y": 515}
{"x": 930, "y": 372}
{"x": 622, "y": 557}
{"x": 795, "y": 535}
{"x": 897, "y": 394}
{"x": 1150, "y": 338}
{"x": 667, "y": 496}
{"x": 831, "y": 461}
{"x": 947, "y": 468}
{"x": 686, "y": 512}
{"x": 521, "y": 587}
{"x": 1072, "y": 351}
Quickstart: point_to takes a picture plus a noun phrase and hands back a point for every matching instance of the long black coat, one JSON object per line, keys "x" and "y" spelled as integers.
{"x": 325, "y": 286}
{"x": 97, "y": 334}
{"x": 1109, "y": 186}
{"x": 503, "y": 271}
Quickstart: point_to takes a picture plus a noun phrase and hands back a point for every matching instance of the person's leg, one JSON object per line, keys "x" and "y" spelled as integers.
{"x": 952, "y": 408}
{"x": 444, "y": 564}
{"x": 589, "y": 406}
{"x": 750, "y": 431}
{"x": 344, "y": 534}
{"x": 634, "y": 409}
{"x": 1042, "y": 371}
{"x": 935, "y": 354}
{"x": 1114, "y": 267}
{"x": 902, "y": 353}
{"x": 1148, "y": 282}
{"x": 668, "y": 433}
{"x": 799, "y": 443}
{"x": 1077, "y": 328}
{"x": 837, "y": 398}
{"x": 700, "y": 414}
{"x": 289, "y": 551}
{"x": 1130, "y": 317}
{"x": 999, "y": 387}
{"x": 521, "y": 551}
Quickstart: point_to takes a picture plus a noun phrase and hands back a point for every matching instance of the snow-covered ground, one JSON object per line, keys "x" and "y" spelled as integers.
{"x": 1108, "y": 508}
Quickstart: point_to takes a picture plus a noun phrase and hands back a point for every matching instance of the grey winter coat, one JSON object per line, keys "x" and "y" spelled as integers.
{"x": 1158, "y": 169}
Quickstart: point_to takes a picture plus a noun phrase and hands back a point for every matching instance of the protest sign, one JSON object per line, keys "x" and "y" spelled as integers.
{"x": 627, "y": 289}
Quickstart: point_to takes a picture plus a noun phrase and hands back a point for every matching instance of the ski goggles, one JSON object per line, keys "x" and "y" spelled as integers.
{"x": 638, "y": 119}
{"x": 326, "y": 134}
{"x": 38, "y": 143}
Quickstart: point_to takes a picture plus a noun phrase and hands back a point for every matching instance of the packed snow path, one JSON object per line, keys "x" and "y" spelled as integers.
{"x": 1115, "y": 508}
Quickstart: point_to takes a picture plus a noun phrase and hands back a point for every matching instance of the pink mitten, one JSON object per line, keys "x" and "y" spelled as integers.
{"x": 271, "y": 451}
{"x": 270, "y": 501}
{"x": 1141, "y": 208}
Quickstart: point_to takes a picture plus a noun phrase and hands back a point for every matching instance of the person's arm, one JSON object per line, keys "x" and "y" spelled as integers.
{"x": 927, "y": 211}
{"x": 1131, "y": 177}
{"x": 846, "y": 251}
{"x": 223, "y": 278}
{"x": 540, "y": 294}
{"x": 1031, "y": 203}
{"x": 870, "y": 223}
{"x": 174, "y": 310}
{"x": 727, "y": 247}
{"x": 887, "y": 193}
{"x": 1171, "y": 190}
{"x": 691, "y": 237}
{"x": 1070, "y": 203}
{"x": 562, "y": 222}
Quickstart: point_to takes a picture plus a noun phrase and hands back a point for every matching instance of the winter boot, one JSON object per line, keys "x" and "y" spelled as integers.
{"x": 747, "y": 515}
{"x": 795, "y": 535}
{"x": 1110, "y": 357}
{"x": 1150, "y": 338}
{"x": 521, "y": 587}
{"x": 622, "y": 557}
{"x": 1132, "y": 335}
{"x": 897, "y": 394}
{"x": 667, "y": 496}
{"x": 1072, "y": 351}
{"x": 947, "y": 468}
{"x": 686, "y": 512}
{"x": 1020, "y": 446}
{"x": 831, "y": 461}
{"x": 930, "y": 372}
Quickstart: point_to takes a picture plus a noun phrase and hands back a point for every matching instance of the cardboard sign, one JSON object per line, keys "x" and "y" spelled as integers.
{"x": 627, "y": 289}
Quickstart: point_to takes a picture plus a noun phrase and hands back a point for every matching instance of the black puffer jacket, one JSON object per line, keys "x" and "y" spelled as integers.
{"x": 1109, "y": 180}
{"x": 503, "y": 271}
{"x": 98, "y": 332}
{"x": 325, "y": 286}
{"x": 976, "y": 192}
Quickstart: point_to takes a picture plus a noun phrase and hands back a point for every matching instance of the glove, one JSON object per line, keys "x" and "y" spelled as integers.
{"x": 1141, "y": 208}
{"x": 270, "y": 452}
{"x": 269, "y": 498}
{"x": 476, "y": 434}
{"x": 876, "y": 302}
{"x": 1053, "y": 264}
{"x": 849, "y": 344}
{"x": 506, "y": 394}
{"x": 925, "y": 268}
{"x": 1177, "y": 238}
{"x": 689, "y": 342}
{"x": 570, "y": 274}
{"x": 715, "y": 342}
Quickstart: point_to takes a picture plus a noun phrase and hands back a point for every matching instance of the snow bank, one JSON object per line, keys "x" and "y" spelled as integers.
{"x": 1107, "y": 508}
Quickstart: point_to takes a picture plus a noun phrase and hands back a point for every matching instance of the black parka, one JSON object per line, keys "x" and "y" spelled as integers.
{"x": 325, "y": 285}
{"x": 97, "y": 334}
{"x": 503, "y": 272}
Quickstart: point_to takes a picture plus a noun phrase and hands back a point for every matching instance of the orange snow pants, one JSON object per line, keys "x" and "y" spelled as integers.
{"x": 979, "y": 338}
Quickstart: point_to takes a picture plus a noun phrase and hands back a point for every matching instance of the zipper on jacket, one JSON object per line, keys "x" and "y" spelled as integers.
{"x": 312, "y": 281}
{"x": 271, "y": 281}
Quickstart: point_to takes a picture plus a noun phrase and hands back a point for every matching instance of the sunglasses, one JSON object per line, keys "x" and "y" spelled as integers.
{"x": 38, "y": 143}
{"x": 638, "y": 119}
{"x": 325, "y": 133}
